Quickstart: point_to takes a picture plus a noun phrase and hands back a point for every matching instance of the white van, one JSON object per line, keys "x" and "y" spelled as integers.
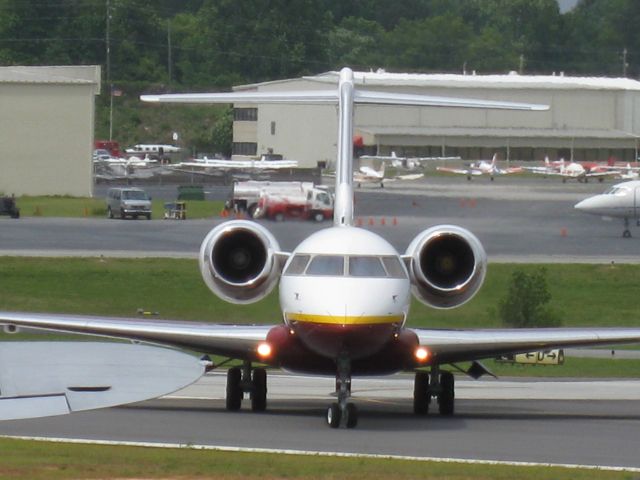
{"x": 132, "y": 202}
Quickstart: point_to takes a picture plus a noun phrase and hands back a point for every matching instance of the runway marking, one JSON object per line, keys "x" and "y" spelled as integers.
{"x": 311, "y": 453}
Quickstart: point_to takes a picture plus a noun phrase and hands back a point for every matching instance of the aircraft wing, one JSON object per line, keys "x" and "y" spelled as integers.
{"x": 507, "y": 171}
{"x": 237, "y": 341}
{"x": 409, "y": 176}
{"x": 450, "y": 346}
{"x": 459, "y": 171}
{"x": 39, "y": 379}
{"x": 601, "y": 174}
{"x": 540, "y": 170}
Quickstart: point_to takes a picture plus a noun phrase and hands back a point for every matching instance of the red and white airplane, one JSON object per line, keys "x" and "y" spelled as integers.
{"x": 345, "y": 294}
{"x": 481, "y": 168}
{"x": 580, "y": 171}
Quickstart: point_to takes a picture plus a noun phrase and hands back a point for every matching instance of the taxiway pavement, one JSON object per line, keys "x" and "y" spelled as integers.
{"x": 560, "y": 422}
{"x": 524, "y": 220}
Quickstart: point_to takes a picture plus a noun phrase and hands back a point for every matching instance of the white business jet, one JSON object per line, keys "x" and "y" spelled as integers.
{"x": 344, "y": 292}
{"x": 619, "y": 201}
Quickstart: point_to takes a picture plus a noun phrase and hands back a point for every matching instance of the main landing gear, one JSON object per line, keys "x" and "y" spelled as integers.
{"x": 343, "y": 412}
{"x": 433, "y": 384}
{"x": 241, "y": 380}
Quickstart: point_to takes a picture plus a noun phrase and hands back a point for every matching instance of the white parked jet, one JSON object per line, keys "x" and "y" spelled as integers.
{"x": 345, "y": 292}
{"x": 619, "y": 201}
{"x": 152, "y": 148}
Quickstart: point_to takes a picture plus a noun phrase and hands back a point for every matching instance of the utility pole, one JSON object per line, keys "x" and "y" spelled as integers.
{"x": 521, "y": 66}
{"x": 624, "y": 62}
{"x": 169, "y": 66}
{"x": 109, "y": 85}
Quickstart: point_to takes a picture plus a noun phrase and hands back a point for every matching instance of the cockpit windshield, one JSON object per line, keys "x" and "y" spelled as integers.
{"x": 366, "y": 267}
{"x": 363, "y": 266}
{"x": 332, "y": 265}
{"x": 618, "y": 191}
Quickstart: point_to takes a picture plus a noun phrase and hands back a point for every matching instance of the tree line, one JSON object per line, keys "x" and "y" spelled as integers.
{"x": 201, "y": 44}
{"x": 204, "y": 45}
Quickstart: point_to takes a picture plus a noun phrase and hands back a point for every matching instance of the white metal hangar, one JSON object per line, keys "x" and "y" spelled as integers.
{"x": 589, "y": 119}
{"x": 46, "y": 129}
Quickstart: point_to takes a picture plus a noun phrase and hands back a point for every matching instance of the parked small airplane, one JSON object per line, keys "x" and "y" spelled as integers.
{"x": 245, "y": 164}
{"x": 619, "y": 201}
{"x": 581, "y": 172}
{"x": 405, "y": 162}
{"x": 367, "y": 174}
{"x": 345, "y": 294}
{"x": 628, "y": 172}
{"x": 481, "y": 168}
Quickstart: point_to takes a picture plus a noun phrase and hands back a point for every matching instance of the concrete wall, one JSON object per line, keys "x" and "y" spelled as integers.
{"x": 46, "y": 138}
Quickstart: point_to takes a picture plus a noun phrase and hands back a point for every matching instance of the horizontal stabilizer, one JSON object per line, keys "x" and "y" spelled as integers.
{"x": 386, "y": 98}
{"x": 305, "y": 97}
{"x": 39, "y": 379}
{"x": 331, "y": 97}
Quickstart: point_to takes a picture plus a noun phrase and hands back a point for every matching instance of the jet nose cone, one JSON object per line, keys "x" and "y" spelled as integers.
{"x": 593, "y": 205}
{"x": 581, "y": 205}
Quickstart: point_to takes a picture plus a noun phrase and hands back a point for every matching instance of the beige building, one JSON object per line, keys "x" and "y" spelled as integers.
{"x": 46, "y": 129}
{"x": 588, "y": 119}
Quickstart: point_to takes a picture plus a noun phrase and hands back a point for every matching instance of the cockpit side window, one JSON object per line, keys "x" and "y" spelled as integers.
{"x": 618, "y": 191}
{"x": 366, "y": 267}
{"x": 394, "y": 267}
{"x": 297, "y": 265}
{"x": 330, "y": 265}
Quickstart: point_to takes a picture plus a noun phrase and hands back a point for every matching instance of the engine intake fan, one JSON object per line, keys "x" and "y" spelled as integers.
{"x": 447, "y": 265}
{"x": 239, "y": 261}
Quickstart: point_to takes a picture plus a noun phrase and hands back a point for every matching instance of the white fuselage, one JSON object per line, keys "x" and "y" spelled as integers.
{"x": 621, "y": 200}
{"x": 345, "y": 280}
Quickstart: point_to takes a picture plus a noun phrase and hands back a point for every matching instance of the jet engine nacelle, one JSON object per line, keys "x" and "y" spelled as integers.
{"x": 447, "y": 266}
{"x": 238, "y": 261}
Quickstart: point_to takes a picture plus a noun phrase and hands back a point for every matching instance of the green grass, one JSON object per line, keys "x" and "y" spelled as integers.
{"x": 75, "y": 207}
{"x": 119, "y": 287}
{"x": 40, "y": 460}
{"x": 572, "y": 368}
{"x": 60, "y": 206}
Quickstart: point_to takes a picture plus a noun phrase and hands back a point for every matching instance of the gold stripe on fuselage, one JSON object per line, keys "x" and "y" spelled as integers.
{"x": 344, "y": 319}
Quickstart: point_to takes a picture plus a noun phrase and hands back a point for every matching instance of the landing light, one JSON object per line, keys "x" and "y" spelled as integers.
{"x": 422, "y": 354}
{"x": 264, "y": 350}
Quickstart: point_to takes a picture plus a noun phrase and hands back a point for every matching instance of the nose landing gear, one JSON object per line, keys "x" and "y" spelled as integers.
{"x": 343, "y": 412}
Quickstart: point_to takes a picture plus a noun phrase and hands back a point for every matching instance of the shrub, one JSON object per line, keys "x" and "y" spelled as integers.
{"x": 526, "y": 303}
